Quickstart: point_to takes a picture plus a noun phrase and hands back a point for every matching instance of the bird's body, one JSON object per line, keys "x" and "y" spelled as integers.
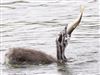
{"x": 22, "y": 56}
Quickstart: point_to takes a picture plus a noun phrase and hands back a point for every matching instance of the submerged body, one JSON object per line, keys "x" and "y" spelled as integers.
{"x": 22, "y": 56}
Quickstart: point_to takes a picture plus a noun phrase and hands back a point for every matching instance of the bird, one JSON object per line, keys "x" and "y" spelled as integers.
{"x": 23, "y": 56}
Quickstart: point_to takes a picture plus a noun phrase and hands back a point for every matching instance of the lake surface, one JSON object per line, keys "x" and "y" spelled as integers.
{"x": 37, "y": 23}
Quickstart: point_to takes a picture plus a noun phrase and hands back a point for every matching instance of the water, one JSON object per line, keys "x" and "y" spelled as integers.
{"x": 36, "y": 24}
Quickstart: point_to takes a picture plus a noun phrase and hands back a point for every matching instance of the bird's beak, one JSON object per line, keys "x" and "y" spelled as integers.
{"x": 76, "y": 22}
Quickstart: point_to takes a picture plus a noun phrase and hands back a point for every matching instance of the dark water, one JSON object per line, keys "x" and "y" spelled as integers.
{"x": 36, "y": 24}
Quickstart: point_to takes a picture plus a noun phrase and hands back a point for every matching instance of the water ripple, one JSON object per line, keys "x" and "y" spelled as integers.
{"x": 15, "y": 2}
{"x": 9, "y": 7}
{"x": 28, "y": 23}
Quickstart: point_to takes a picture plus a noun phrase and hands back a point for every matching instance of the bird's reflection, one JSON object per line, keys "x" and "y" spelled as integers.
{"x": 64, "y": 69}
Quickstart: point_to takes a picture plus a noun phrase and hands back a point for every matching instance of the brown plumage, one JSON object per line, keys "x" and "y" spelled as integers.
{"x": 28, "y": 56}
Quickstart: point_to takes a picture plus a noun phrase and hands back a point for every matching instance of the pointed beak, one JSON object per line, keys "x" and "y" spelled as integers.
{"x": 76, "y": 22}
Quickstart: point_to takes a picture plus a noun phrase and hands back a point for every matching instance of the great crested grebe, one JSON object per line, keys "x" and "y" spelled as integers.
{"x": 23, "y": 56}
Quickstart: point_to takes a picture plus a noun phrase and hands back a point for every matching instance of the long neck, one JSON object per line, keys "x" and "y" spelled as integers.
{"x": 62, "y": 40}
{"x": 61, "y": 43}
